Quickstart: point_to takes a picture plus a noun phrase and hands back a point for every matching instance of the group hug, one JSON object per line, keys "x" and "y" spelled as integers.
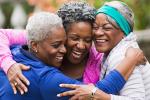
{"x": 77, "y": 53}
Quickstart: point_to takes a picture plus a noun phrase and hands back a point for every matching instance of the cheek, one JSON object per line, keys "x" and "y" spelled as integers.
{"x": 88, "y": 46}
{"x": 52, "y": 52}
{"x": 114, "y": 40}
{"x": 70, "y": 45}
{"x": 49, "y": 52}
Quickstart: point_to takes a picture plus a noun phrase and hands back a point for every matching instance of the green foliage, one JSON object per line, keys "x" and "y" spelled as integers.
{"x": 7, "y": 12}
{"x": 141, "y": 8}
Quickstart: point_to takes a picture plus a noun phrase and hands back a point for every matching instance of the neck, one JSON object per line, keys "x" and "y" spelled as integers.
{"x": 73, "y": 70}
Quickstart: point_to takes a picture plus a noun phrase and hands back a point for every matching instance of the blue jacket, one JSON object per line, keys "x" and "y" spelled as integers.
{"x": 45, "y": 80}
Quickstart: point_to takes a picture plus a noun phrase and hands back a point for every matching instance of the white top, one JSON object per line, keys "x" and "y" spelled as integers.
{"x": 138, "y": 85}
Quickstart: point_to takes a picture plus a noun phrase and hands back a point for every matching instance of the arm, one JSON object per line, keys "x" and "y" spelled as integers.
{"x": 10, "y": 37}
{"x": 110, "y": 84}
{"x": 134, "y": 88}
{"x": 133, "y": 57}
{"x": 49, "y": 83}
{"x": 113, "y": 82}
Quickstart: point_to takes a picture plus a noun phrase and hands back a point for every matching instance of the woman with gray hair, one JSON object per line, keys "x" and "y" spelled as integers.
{"x": 113, "y": 34}
{"x": 44, "y": 53}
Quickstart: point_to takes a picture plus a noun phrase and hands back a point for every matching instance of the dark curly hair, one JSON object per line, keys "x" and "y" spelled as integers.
{"x": 76, "y": 12}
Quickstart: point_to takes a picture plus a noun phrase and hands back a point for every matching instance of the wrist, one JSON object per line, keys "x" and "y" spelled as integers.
{"x": 100, "y": 95}
{"x": 93, "y": 92}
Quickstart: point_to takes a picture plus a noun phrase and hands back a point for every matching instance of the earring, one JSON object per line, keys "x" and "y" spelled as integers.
{"x": 36, "y": 51}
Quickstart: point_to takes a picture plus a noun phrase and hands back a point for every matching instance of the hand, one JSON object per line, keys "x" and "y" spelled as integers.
{"x": 17, "y": 80}
{"x": 136, "y": 54}
{"x": 79, "y": 92}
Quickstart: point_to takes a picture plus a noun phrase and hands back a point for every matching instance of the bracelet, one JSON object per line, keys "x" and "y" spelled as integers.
{"x": 93, "y": 92}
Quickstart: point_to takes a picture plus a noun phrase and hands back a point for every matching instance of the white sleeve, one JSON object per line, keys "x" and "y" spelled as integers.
{"x": 133, "y": 89}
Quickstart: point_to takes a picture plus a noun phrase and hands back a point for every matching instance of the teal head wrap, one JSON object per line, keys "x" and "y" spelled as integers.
{"x": 117, "y": 16}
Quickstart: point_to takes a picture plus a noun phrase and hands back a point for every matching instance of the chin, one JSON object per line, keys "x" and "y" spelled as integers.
{"x": 102, "y": 50}
{"x": 73, "y": 61}
{"x": 57, "y": 65}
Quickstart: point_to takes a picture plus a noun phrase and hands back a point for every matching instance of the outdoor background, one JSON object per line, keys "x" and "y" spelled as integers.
{"x": 14, "y": 14}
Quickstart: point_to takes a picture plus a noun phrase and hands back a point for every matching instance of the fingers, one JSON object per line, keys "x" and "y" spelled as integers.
{"x": 17, "y": 80}
{"x": 71, "y": 86}
{"x": 23, "y": 67}
{"x": 20, "y": 86}
{"x": 13, "y": 87}
{"x": 79, "y": 97}
{"x": 20, "y": 90}
{"x": 23, "y": 79}
{"x": 75, "y": 97}
{"x": 67, "y": 93}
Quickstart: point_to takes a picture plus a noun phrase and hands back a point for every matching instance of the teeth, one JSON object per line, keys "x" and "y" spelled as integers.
{"x": 77, "y": 54}
{"x": 100, "y": 40}
{"x": 59, "y": 58}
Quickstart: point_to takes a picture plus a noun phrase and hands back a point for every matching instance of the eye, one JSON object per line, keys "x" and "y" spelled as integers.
{"x": 95, "y": 27}
{"x": 55, "y": 45}
{"x": 108, "y": 27}
{"x": 74, "y": 38}
{"x": 88, "y": 40}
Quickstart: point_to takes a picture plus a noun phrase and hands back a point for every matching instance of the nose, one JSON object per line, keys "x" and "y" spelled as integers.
{"x": 99, "y": 32}
{"x": 81, "y": 44}
{"x": 63, "y": 49}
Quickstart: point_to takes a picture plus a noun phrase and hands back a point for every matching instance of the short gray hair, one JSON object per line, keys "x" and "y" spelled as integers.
{"x": 124, "y": 9}
{"x": 41, "y": 24}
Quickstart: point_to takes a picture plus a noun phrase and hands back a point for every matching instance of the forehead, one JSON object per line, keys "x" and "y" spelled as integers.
{"x": 80, "y": 28}
{"x": 101, "y": 19}
{"x": 57, "y": 34}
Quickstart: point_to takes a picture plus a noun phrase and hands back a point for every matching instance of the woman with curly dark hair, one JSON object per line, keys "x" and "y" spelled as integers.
{"x": 78, "y": 19}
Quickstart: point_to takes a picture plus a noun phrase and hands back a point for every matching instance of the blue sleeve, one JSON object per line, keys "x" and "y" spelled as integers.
{"x": 50, "y": 81}
{"x": 49, "y": 85}
{"x": 112, "y": 83}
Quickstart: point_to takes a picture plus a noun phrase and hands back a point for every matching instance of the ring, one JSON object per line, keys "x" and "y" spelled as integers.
{"x": 15, "y": 83}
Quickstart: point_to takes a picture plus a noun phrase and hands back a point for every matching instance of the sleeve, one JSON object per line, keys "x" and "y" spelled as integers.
{"x": 112, "y": 83}
{"x": 9, "y": 37}
{"x": 133, "y": 89}
{"x": 50, "y": 85}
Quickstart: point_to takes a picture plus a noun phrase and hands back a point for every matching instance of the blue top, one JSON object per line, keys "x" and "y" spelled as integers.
{"x": 45, "y": 80}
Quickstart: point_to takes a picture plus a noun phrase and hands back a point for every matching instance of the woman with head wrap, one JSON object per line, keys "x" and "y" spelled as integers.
{"x": 113, "y": 34}
{"x": 78, "y": 19}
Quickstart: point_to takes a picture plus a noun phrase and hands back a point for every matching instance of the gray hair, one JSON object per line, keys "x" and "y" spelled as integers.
{"x": 40, "y": 26}
{"x": 76, "y": 12}
{"x": 124, "y": 9}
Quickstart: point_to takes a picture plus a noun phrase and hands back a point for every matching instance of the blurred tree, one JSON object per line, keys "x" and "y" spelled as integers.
{"x": 141, "y": 9}
{"x": 7, "y": 12}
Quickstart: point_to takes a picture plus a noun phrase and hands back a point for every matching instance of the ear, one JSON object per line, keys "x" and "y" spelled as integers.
{"x": 34, "y": 46}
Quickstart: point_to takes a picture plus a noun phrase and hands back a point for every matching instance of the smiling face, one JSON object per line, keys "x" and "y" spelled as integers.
{"x": 106, "y": 36}
{"x": 51, "y": 50}
{"x": 79, "y": 40}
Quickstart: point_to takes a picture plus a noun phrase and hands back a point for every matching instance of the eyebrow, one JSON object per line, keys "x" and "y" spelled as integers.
{"x": 103, "y": 24}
